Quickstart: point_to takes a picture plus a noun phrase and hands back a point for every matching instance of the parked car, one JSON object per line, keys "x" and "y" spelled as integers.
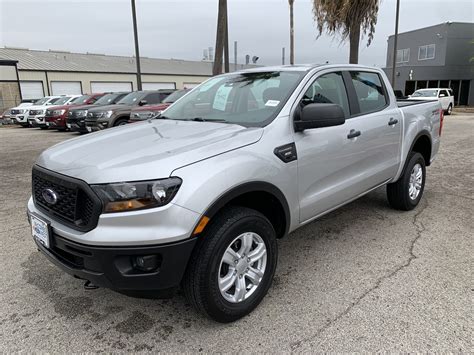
{"x": 77, "y": 114}
{"x": 37, "y": 114}
{"x": 149, "y": 111}
{"x": 20, "y": 114}
{"x": 119, "y": 114}
{"x": 444, "y": 96}
{"x": 199, "y": 197}
{"x": 56, "y": 116}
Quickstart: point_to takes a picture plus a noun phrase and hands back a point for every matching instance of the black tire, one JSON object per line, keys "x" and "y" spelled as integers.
{"x": 121, "y": 122}
{"x": 200, "y": 283}
{"x": 449, "y": 110}
{"x": 398, "y": 192}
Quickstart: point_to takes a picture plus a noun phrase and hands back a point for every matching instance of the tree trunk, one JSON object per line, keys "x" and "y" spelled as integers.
{"x": 292, "y": 34}
{"x": 354, "y": 39}
{"x": 220, "y": 38}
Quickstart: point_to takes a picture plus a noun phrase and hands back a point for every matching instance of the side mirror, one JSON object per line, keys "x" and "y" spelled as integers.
{"x": 320, "y": 115}
{"x": 442, "y": 95}
{"x": 142, "y": 102}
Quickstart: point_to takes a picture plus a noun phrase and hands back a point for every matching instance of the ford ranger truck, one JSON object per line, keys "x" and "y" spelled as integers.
{"x": 199, "y": 197}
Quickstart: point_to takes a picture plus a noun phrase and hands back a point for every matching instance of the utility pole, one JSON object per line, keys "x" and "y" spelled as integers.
{"x": 395, "y": 39}
{"x": 292, "y": 34}
{"x": 226, "y": 43}
{"x": 283, "y": 56}
{"x": 235, "y": 55}
{"x": 137, "y": 52}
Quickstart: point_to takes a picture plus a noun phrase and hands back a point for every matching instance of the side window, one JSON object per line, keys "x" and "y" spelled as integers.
{"x": 328, "y": 88}
{"x": 369, "y": 90}
{"x": 153, "y": 98}
{"x": 444, "y": 92}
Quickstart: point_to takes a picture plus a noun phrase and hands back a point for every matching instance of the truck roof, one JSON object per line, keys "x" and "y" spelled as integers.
{"x": 303, "y": 67}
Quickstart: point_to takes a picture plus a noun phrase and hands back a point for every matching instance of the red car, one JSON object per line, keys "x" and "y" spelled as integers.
{"x": 149, "y": 111}
{"x": 56, "y": 116}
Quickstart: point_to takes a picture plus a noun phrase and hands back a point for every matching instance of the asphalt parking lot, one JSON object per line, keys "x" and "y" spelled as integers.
{"x": 363, "y": 278}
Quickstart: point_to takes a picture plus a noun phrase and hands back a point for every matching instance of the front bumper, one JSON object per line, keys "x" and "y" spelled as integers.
{"x": 105, "y": 255}
{"x": 96, "y": 125}
{"x": 21, "y": 119}
{"x": 113, "y": 267}
{"x": 37, "y": 121}
{"x": 55, "y": 122}
{"x": 76, "y": 125}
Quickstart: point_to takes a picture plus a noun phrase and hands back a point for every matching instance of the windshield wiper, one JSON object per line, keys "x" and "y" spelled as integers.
{"x": 200, "y": 119}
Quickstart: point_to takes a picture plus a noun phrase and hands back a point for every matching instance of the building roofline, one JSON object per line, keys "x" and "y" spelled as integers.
{"x": 449, "y": 23}
{"x": 8, "y": 62}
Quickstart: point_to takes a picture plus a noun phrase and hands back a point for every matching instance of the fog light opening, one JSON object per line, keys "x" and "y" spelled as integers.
{"x": 147, "y": 263}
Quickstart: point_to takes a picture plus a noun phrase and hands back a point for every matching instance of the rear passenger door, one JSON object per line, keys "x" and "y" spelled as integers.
{"x": 379, "y": 122}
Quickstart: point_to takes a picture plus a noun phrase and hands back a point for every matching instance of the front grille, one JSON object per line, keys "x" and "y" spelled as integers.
{"x": 95, "y": 114}
{"x": 77, "y": 205}
{"x": 49, "y": 112}
{"x": 35, "y": 112}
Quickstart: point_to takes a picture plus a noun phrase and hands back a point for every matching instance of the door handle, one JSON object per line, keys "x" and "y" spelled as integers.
{"x": 393, "y": 121}
{"x": 353, "y": 134}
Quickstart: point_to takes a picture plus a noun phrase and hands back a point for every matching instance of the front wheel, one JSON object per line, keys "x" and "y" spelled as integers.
{"x": 121, "y": 122}
{"x": 406, "y": 193}
{"x": 233, "y": 265}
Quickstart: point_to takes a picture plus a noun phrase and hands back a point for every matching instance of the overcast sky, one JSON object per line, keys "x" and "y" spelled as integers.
{"x": 183, "y": 28}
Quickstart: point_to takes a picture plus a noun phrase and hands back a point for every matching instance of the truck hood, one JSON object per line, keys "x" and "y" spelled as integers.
{"x": 151, "y": 107}
{"x": 42, "y": 107}
{"x": 144, "y": 151}
{"x": 115, "y": 107}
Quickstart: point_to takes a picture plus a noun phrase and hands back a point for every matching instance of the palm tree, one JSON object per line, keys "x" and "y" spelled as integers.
{"x": 349, "y": 18}
{"x": 292, "y": 34}
{"x": 220, "y": 37}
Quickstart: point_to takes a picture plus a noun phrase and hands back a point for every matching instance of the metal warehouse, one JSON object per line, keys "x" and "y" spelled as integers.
{"x": 436, "y": 56}
{"x": 32, "y": 74}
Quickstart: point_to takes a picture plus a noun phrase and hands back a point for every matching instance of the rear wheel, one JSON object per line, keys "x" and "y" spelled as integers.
{"x": 406, "y": 193}
{"x": 449, "y": 110}
{"x": 233, "y": 265}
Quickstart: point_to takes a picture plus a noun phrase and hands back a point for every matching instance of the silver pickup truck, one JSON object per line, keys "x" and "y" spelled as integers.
{"x": 198, "y": 197}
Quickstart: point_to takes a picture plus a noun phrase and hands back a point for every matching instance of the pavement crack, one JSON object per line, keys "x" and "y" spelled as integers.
{"x": 420, "y": 228}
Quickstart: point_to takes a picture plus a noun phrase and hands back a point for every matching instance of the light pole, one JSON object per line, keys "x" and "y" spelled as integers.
{"x": 292, "y": 34}
{"x": 137, "y": 51}
{"x": 395, "y": 39}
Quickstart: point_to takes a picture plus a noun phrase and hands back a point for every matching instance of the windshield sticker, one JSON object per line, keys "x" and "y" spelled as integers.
{"x": 272, "y": 103}
{"x": 220, "y": 100}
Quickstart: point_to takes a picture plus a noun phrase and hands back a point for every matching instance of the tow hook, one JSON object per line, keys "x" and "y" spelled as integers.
{"x": 90, "y": 286}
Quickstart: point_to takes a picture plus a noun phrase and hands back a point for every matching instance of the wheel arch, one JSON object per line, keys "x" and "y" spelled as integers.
{"x": 261, "y": 196}
{"x": 423, "y": 145}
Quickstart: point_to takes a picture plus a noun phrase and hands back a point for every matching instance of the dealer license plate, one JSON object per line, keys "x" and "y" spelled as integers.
{"x": 68, "y": 125}
{"x": 89, "y": 129}
{"x": 40, "y": 230}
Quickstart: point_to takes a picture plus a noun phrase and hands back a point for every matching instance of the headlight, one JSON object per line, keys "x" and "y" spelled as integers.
{"x": 22, "y": 111}
{"x": 58, "y": 112}
{"x": 108, "y": 114}
{"x": 129, "y": 196}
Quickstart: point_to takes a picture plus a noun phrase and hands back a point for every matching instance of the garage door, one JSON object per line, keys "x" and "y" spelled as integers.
{"x": 31, "y": 89}
{"x": 157, "y": 86}
{"x": 190, "y": 85}
{"x": 97, "y": 86}
{"x": 66, "y": 88}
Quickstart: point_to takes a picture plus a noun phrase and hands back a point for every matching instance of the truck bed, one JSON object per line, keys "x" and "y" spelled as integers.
{"x": 408, "y": 102}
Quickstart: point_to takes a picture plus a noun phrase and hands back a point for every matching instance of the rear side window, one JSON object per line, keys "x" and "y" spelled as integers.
{"x": 369, "y": 90}
{"x": 444, "y": 92}
{"x": 329, "y": 89}
{"x": 153, "y": 98}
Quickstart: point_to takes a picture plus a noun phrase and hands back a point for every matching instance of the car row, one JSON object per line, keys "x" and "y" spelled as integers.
{"x": 92, "y": 112}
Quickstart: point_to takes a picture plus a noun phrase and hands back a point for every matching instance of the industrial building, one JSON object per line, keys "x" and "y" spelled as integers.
{"x": 435, "y": 56}
{"x": 32, "y": 74}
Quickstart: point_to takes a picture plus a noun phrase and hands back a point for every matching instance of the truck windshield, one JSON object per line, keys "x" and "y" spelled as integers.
{"x": 132, "y": 98}
{"x": 41, "y": 102}
{"x": 62, "y": 100}
{"x": 425, "y": 93}
{"x": 174, "y": 96}
{"x": 81, "y": 99}
{"x": 249, "y": 99}
{"x": 106, "y": 99}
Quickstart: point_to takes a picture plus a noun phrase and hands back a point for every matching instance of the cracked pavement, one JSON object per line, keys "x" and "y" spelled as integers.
{"x": 363, "y": 278}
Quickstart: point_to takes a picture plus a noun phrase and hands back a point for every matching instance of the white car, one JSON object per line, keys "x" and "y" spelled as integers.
{"x": 36, "y": 113}
{"x": 443, "y": 95}
{"x": 19, "y": 114}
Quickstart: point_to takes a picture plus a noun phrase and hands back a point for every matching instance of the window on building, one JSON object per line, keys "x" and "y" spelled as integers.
{"x": 403, "y": 55}
{"x": 426, "y": 52}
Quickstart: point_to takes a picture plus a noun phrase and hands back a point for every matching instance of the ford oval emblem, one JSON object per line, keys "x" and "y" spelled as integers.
{"x": 50, "y": 196}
